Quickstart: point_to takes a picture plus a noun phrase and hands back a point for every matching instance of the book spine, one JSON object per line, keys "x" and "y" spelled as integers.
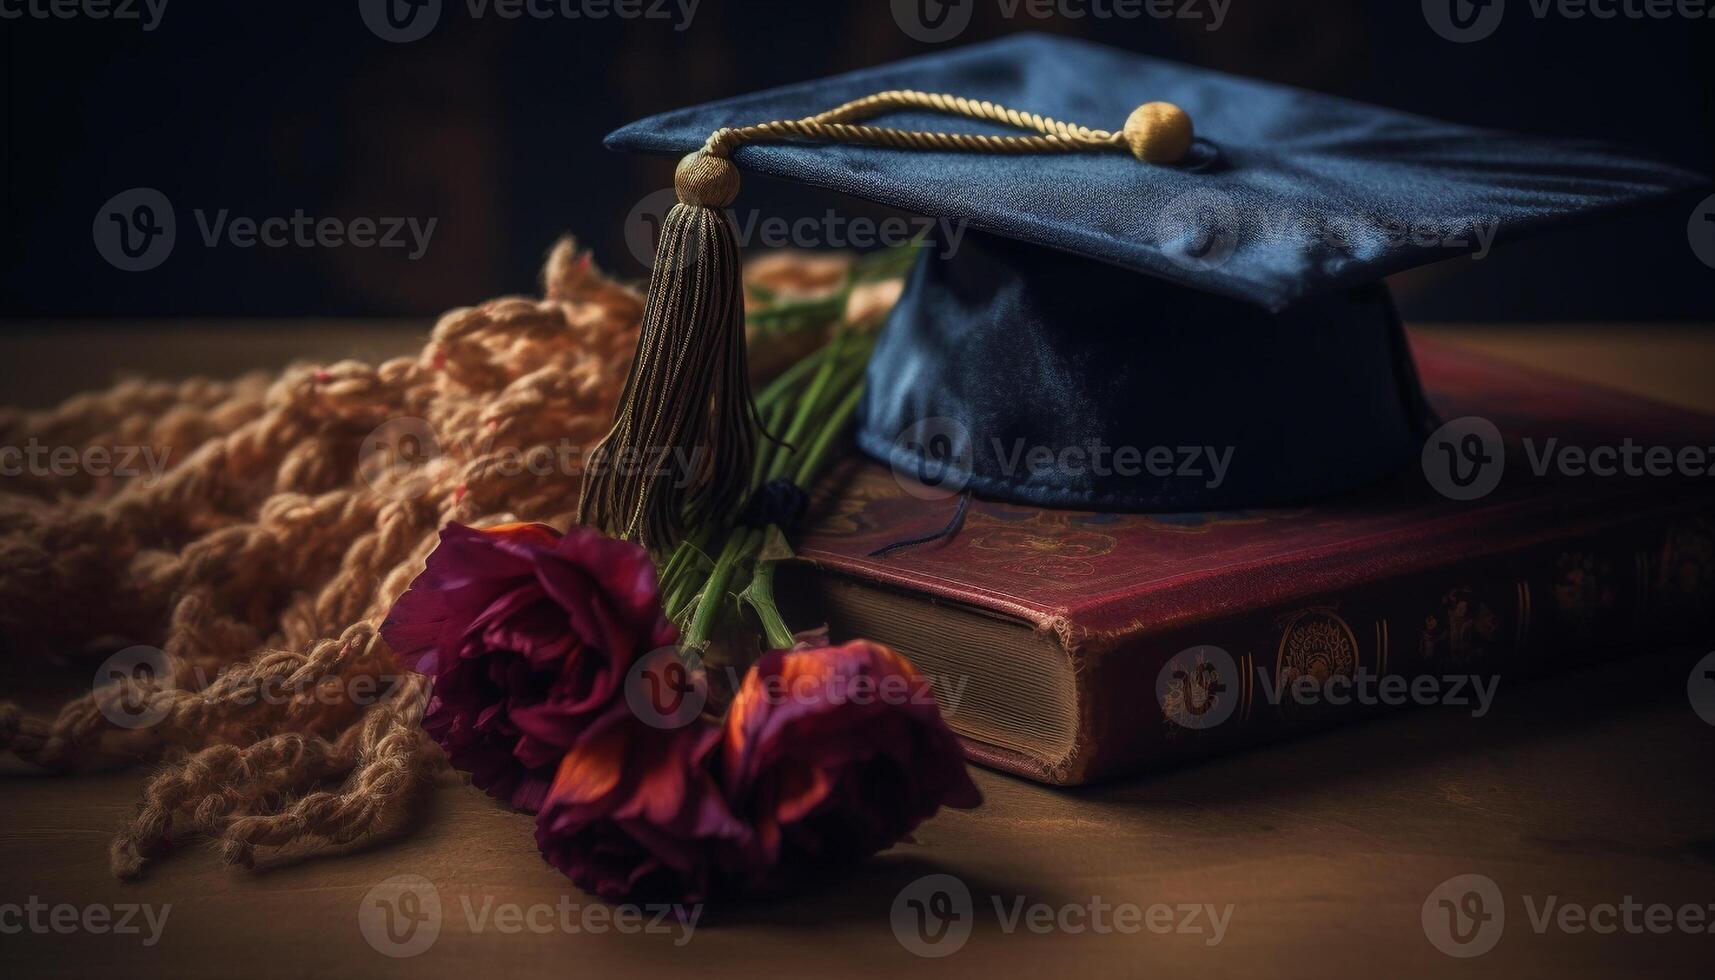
{"x": 1457, "y": 636}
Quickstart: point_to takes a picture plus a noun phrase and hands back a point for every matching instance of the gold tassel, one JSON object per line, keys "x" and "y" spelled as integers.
{"x": 686, "y": 419}
{"x": 683, "y": 438}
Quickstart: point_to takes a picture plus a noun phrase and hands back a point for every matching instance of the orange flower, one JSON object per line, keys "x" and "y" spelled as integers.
{"x": 835, "y": 753}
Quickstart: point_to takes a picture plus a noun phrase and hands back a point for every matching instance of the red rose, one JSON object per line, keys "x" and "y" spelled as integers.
{"x": 635, "y": 813}
{"x": 836, "y": 753}
{"x": 528, "y": 635}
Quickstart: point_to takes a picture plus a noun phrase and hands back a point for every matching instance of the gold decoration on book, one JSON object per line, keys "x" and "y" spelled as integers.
{"x": 1316, "y": 643}
{"x": 685, "y": 430}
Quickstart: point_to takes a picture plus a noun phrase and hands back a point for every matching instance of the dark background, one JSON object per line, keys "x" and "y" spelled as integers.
{"x": 494, "y": 127}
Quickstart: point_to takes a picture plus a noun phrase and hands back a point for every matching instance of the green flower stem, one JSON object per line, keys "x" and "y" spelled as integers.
{"x": 817, "y": 454}
{"x": 714, "y": 593}
{"x": 835, "y": 366}
{"x": 760, "y": 593}
{"x": 675, "y": 565}
{"x": 814, "y": 400}
{"x": 680, "y": 596}
{"x": 843, "y": 369}
{"x": 680, "y": 579}
{"x": 787, "y": 380}
{"x": 808, "y": 403}
{"x": 680, "y": 562}
{"x": 791, "y": 316}
{"x": 774, "y": 416}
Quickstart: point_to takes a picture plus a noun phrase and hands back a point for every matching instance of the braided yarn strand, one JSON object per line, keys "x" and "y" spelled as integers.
{"x": 264, "y": 555}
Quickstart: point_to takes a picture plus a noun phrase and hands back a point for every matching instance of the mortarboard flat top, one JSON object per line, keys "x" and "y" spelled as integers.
{"x": 1234, "y": 304}
{"x": 1287, "y": 163}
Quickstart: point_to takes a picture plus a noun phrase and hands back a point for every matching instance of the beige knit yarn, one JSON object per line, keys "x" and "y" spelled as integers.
{"x": 263, "y": 560}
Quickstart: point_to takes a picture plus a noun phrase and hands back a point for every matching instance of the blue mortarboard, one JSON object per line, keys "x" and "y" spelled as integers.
{"x": 1220, "y": 292}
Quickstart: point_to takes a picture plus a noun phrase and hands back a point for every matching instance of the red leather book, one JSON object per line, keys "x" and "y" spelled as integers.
{"x": 1069, "y": 646}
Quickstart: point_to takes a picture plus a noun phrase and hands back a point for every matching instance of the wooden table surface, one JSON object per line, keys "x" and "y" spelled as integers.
{"x": 1318, "y": 855}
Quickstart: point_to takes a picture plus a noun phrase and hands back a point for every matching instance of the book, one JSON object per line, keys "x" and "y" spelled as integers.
{"x": 1069, "y": 647}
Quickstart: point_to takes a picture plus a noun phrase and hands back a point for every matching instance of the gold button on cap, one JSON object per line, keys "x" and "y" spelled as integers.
{"x": 1158, "y": 132}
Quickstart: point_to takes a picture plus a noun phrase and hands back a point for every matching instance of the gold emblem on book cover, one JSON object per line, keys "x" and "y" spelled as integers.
{"x": 1685, "y": 570}
{"x": 1315, "y": 643}
{"x": 1462, "y": 627}
{"x": 1200, "y": 688}
{"x": 1585, "y": 594}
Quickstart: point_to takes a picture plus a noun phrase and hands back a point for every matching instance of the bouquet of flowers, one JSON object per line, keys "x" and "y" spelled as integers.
{"x": 573, "y": 672}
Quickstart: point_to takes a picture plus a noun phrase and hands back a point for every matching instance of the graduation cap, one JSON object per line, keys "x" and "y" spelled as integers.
{"x": 1160, "y": 257}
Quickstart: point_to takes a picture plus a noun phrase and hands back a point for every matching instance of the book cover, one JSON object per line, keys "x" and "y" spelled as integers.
{"x": 1183, "y": 634}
